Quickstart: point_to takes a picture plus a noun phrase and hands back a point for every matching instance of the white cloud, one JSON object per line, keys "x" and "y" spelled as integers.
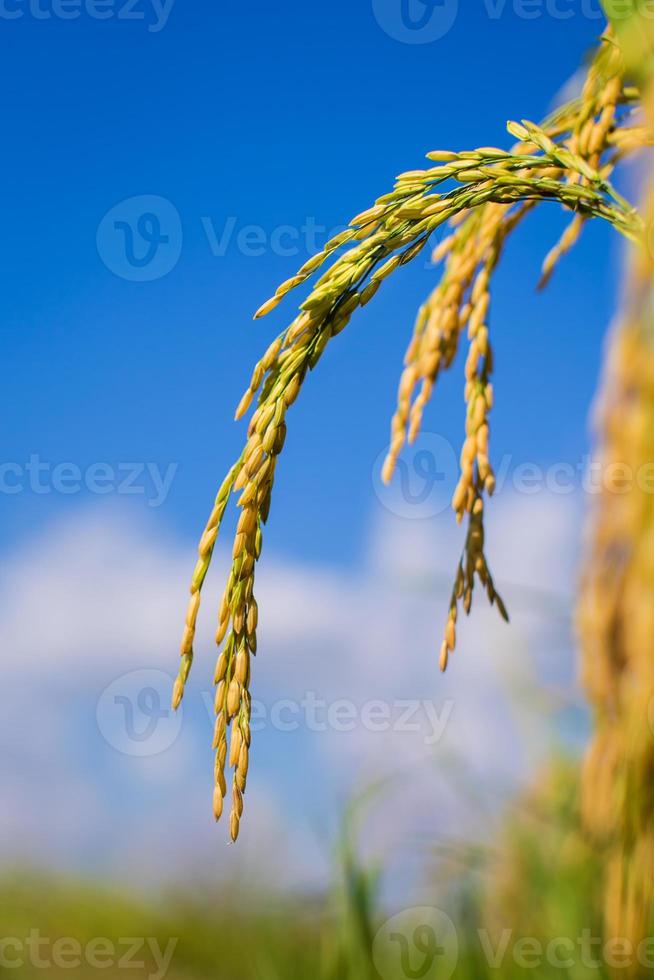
{"x": 95, "y": 598}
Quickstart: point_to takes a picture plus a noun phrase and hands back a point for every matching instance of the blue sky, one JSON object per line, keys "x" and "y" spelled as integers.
{"x": 242, "y": 125}
{"x": 268, "y": 115}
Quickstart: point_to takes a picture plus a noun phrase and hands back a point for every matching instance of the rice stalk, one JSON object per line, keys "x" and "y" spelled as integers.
{"x": 616, "y": 616}
{"x": 482, "y": 195}
{"x": 462, "y": 298}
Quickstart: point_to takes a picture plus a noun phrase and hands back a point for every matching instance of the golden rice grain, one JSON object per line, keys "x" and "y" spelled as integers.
{"x": 482, "y": 195}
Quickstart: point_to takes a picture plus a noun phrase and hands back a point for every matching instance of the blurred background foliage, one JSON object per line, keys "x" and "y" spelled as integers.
{"x": 536, "y": 879}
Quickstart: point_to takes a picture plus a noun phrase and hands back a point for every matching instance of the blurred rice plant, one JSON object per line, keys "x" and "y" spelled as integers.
{"x": 536, "y": 881}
